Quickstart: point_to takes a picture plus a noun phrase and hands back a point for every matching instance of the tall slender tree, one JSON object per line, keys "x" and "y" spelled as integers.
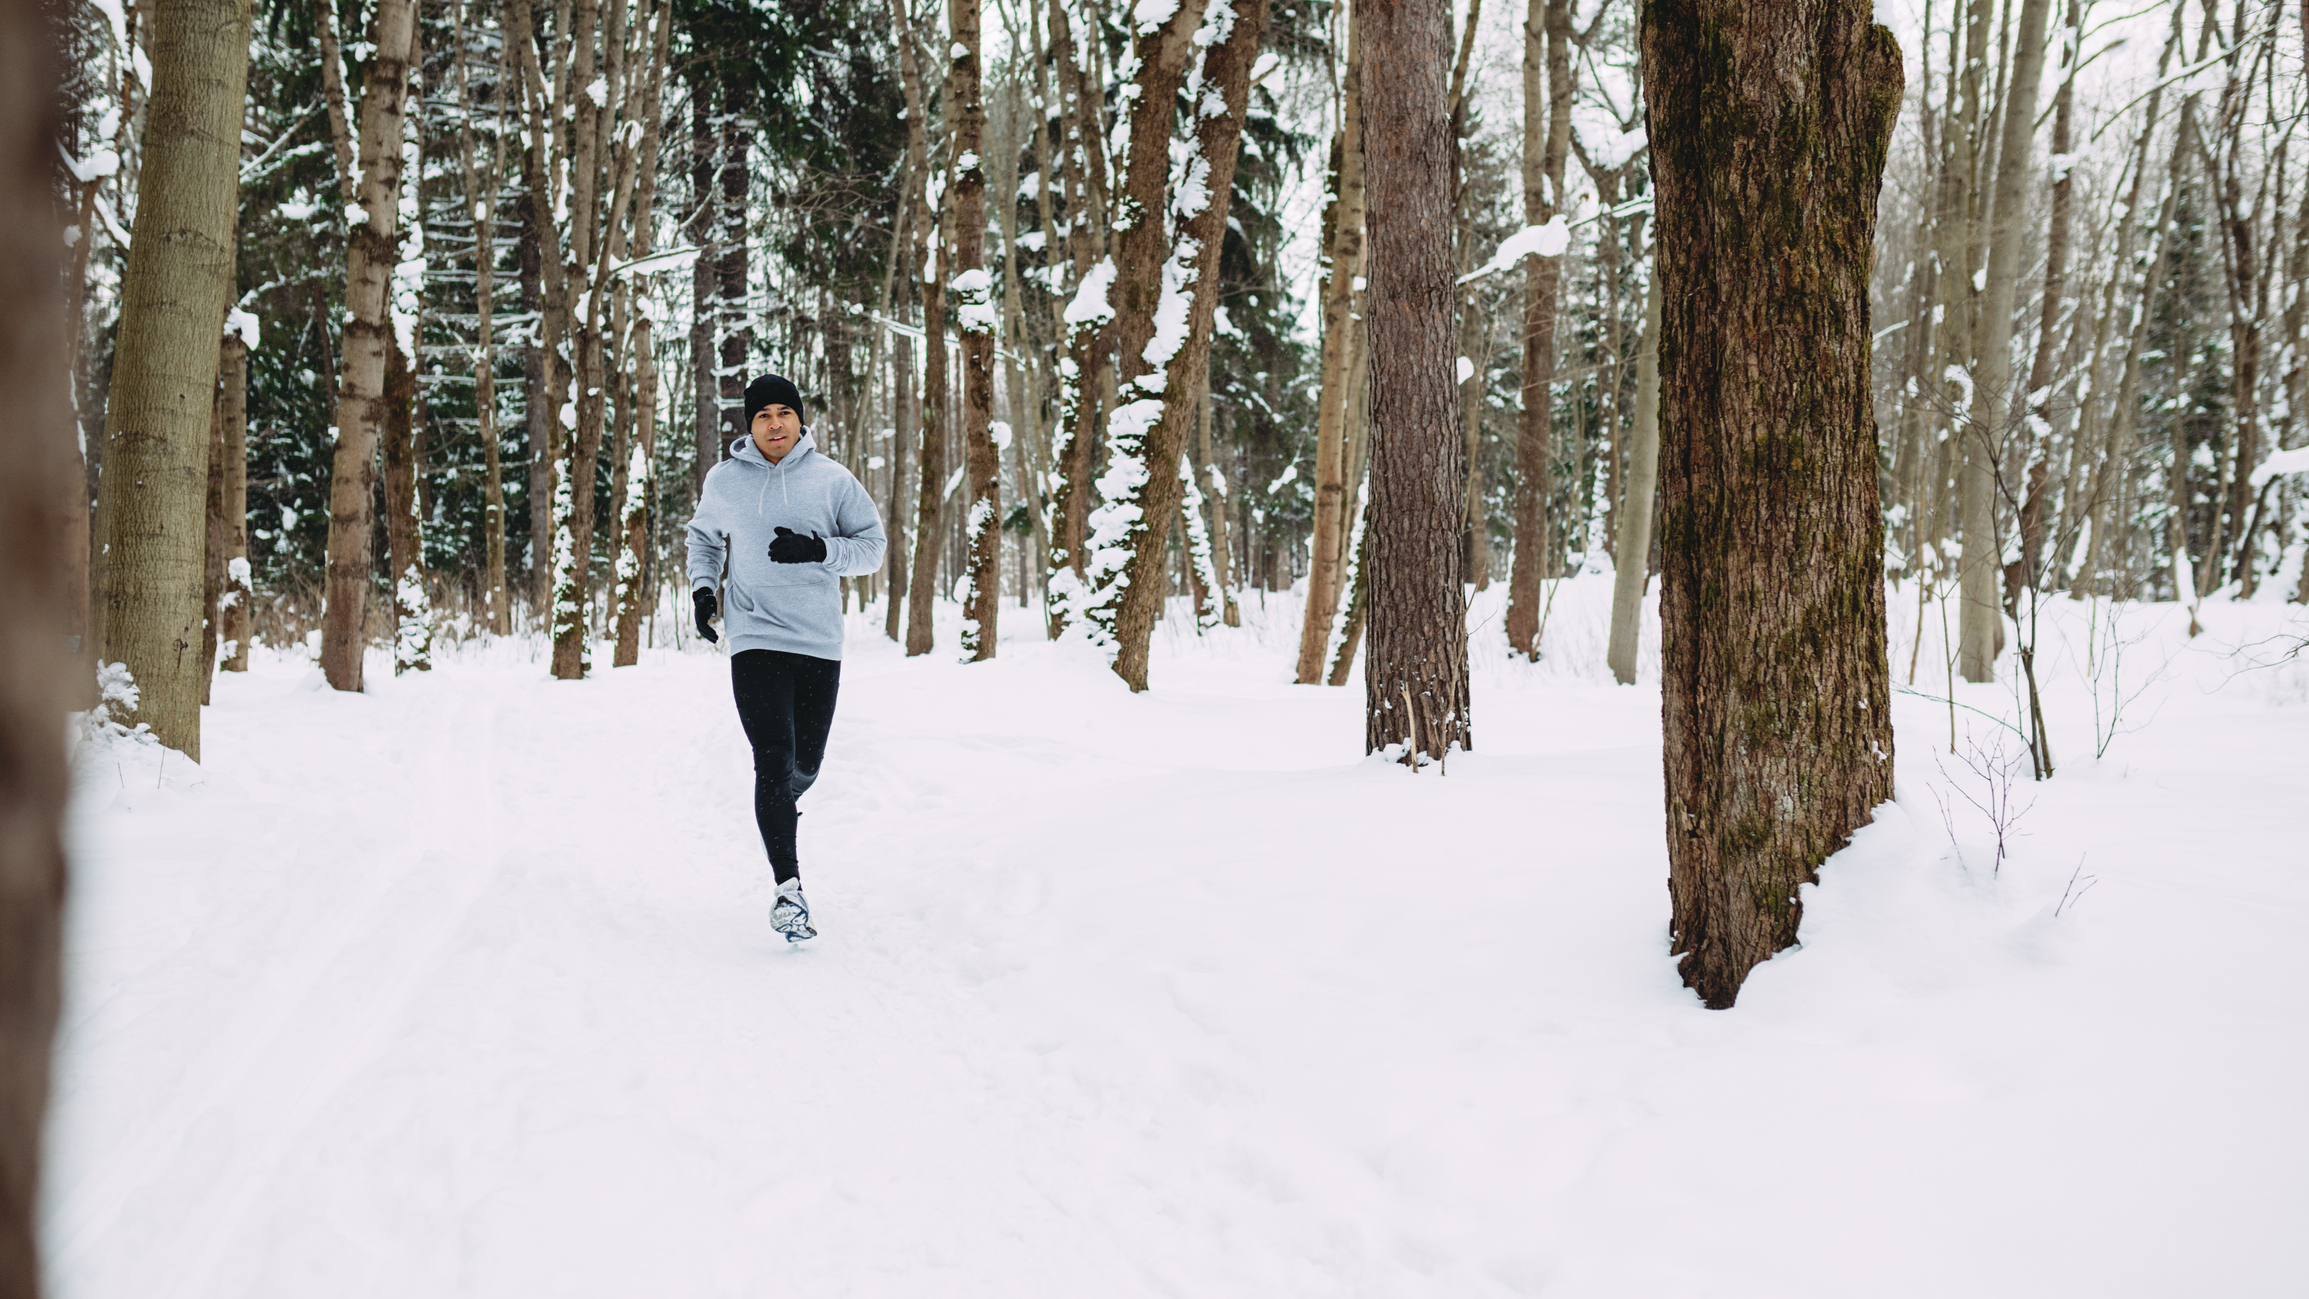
{"x": 1769, "y": 123}
{"x": 372, "y": 249}
{"x": 1546, "y": 149}
{"x": 151, "y": 518}
{"x": 1415, "y": 685}
{"x": 1986, "y": 439}
{"x": 1343, "y": 222}
{"x": 974, "y": 313}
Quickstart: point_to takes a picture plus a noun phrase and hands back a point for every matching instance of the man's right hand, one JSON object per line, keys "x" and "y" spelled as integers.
{"x": 706, "y": 607}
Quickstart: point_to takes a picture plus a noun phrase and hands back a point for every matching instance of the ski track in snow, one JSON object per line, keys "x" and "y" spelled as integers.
{"x": 466, "y": 987}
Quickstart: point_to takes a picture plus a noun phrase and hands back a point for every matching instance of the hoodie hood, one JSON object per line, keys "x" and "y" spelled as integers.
{"x": 746, "y": 451}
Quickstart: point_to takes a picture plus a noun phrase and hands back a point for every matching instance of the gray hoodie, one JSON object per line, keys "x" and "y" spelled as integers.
{"x": 766, "y": 604}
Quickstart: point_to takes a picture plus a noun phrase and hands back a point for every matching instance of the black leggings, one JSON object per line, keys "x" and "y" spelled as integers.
{"x": 786, "y": 703}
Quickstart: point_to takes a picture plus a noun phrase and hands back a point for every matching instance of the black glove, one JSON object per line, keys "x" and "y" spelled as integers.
{"x": 706, "y": 607}
{"x": 791, "y": 548}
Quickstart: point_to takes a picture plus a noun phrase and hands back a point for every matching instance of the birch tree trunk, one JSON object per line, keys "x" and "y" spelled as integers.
{"x": 1769, "y": 123}
{"x": 1415, "y": 690}
{"x": 1544, "y": 156}
{"x": 1343, "y": 230}
{"x": 151, "y": 517}
{"x": 974, "y": 309}
{"x": 371, "y": 251}
{"x": 1631, "y": 557}
{"x": 1980, "y": 616}
{"x": 38, "y": 592}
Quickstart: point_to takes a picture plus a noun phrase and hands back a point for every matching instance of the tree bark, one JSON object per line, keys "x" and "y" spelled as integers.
{"x": 1543, "y": 164}
{"x": 151, "y": 515}
{"x": 1631, "y": 558}
{"x": 481, "y": 188}
{"x": 371, "y": 250}
{"x": 2028, "y": 572}
{"x": 233, "y": 384}
{"x": 1415, "y": 686}
{"x": 1159, "y": 371}
{"x": 974, "y": 299}
{"x": 1980, "y": 615}
{"x": 404, "y": 541}
{"x": 37, "y": 592}
{"x": 1343, "y": 226}
{"x": 1221, "y": 544}
{"x": 931, "y": 266}
{"x": 1769, "y": 124}
{"x": 212, "y": 547}
{"x": 333, "y": 95}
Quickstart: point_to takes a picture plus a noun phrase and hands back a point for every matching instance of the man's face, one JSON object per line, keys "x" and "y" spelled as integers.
{"x": 775, "y": 430}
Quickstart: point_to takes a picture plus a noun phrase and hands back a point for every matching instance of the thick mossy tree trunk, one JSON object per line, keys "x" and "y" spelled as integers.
{"x": 38, "y": 595}
{"x": 371, "y": 251}
{"x": 151, "y": 518}
{"x": 1769, "y": 122}
{"x": 1415, "y": 678}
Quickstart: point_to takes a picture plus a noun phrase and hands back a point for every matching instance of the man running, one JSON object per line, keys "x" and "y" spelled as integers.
{"x": 791, "y": 524}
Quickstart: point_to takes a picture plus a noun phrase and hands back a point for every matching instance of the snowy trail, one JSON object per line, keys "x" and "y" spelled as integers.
{"x": 466, "y": 987}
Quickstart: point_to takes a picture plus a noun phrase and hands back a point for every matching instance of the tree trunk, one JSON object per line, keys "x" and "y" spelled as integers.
{"x": 239, "y": 590}
{"x": 974, "y": 302}
{"x": 1543, "y": 164}
{"x": 1980, "y": 615}
{"x": 705, "y": 390}
{"x": 371, "y": 251}
{"x": 212, "y": 548}
{"x": 932, "y": 269}
{"x": 1086, "y": 322}
{"x": 1769, "y": 123}
{"x": 537, "y": 424}
{"x": 2126, "y": 410}
{"x": 1343, "y": 226}
{"x": 737, "y": 332}
{"x": 1162, "y": 369}
{"x": 1631, "y": 558}
{"x": 1415, "y": 678}
{"x": 150, "y": 521}
{"x": 404, "y": 537}
{"x": 1221, "y": 547}
{"x": 333, "y": 95}
{"x": 903, "y": 419}
{"x": 37, "y": 596}
{"x": 2029, "y": 571}
{"x": 481, "y": 200}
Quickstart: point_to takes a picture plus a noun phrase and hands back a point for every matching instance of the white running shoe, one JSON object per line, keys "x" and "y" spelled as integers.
{"x": 790, "y": 914}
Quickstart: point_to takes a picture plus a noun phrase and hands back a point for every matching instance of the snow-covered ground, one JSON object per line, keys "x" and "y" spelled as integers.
{"x": 466, "y": 987}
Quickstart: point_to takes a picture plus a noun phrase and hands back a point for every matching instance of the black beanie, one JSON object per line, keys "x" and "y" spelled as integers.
{"x": 771, "y": 390}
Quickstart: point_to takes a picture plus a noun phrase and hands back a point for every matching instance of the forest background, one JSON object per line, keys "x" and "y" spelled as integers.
{"x": 478, "y": 359}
